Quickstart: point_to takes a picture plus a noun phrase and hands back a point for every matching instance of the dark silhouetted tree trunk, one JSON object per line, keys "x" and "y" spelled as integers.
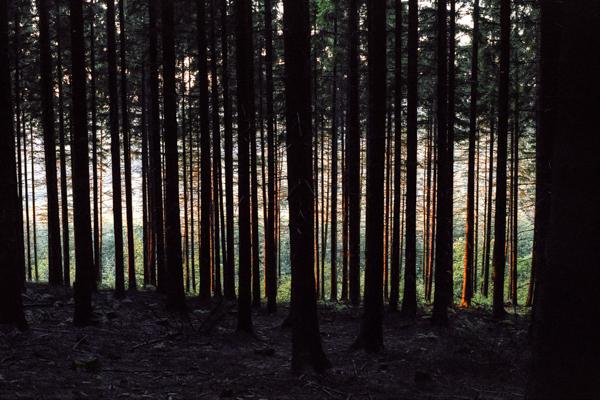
{"x": 470, "y": 248}
{"x": 270, "y": 246}
{"x": 66, "y": 253}
{"x": 566, "y": 350}
{"x": 334, "y": 161}
{"x": 80, "y": 173}
{"x": 488, "y": 230}
{"x": 499, "y": 255}
{"x": 131, "y": 284}
{"x": 175, "y": 292}
{"x": 205, "y": 170}
{"x": 371, "y": 330}
{"x": 11, "y": 304}
{"x": 396, "y": 235}
{"x": 443, "y": 238}
{"x": 353, "y": 155}
{"x": 155, "y": 175}
{"x": 306, "y": 339}
{"x": 409, "y": 301}
{"x": 55, "y": 276}
{"x": 228, "y": 268}
{"x": 115, "y": 148}
{"x": 246, "y": 125}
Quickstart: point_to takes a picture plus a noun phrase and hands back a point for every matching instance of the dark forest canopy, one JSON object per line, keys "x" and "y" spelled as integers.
{"x": 414, "y": 158}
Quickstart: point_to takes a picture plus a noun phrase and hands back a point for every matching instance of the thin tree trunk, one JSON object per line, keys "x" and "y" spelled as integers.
{"x": 470, "y": 246}
{"x": 132, "y": 284}
{"x": 228, "y": 269}
{"x": 33, "y": 208}
{"x": 488, "y": 233}
{"x": 66, "y": 253}
{"x": 499, "y": 256}
{"x": 55, "y": 276}
{"x": 353, "y": 155}
{"x": 97, "y": 214}
{"x": 115, "y": 149}
{"x": 397, "y": 206}
{"x": 334, "y": 161}
{"x": 409, "y": 301}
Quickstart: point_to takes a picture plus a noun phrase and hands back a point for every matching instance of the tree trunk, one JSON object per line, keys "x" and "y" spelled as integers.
{"x": 156, "y": 177}
{"x": 97, "y": 235}
{"x": 246, "y": 125}
{"x": 55, "y": 276}
{"x": 443, "y": 238}
{"x": 270, "y": 246}
{"x": 11, "y": 304}
{"x": 228, "y": 269}
{"x": 353, "y": 154}
{"x": 80, "y": 173}
{"x": 499, "y": 256}
{"x": 488, "y": 216}
{"x": 470, "y": 248}
{"x": 409, "y": 301}
{"x": 115, "y": 148}
{"x": 306, "y": 340}
{"x": 175, "y": 292}
{"x": 334, "y": 161}
{"x": 66, "y": 253}
{"x": 371, "y": 331}
{"x": 131, "y": 284}
{"x": 565, "y": 349}
{"x": 396, "y": 236}
{"x": 216, "y": 150}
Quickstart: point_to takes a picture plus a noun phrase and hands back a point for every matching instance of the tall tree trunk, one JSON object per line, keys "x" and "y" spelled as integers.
{"x": 33, "y": 209}
{"x": 80, "y": 172}
{"x": 515, "y": 195}
{"x": 371, "y": 330}
{"x": 64, "y": 196}
{"x": 205, "y": 168}
{"x": 409, "y": 301}
{"x": 396, "y": 227}
{"x": 11, "y": 304}
{"x": 306, "y": 340}
{"x": 334, "y": 160}
{"x": 149, "y": 271}
{"x": 499, "y": 256}
{"x": 131, "y": 284}
{"x": 353, "y": 155}
{"x": 270, "y": 246}
{"x": 156, "y": 177}
{"x": 228, "y": 269}
{"x": 175, "y": 292}
{"x": 443, "y": 245}
{"x": 115, "y": 148}
{"x": 470, "y": 248}
{"x": 451, "y": 128}
{"x": 96, "y": 190}
{"x": 565, "y": 349}
{"x": 216, "y": 149}
{"x": 246, "y": 125}
{"x": 26, "y": 194}
{"x": 55, "y": 276}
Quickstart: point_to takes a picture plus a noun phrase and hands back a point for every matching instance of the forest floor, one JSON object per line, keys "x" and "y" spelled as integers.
{"x": 140, "y": 351}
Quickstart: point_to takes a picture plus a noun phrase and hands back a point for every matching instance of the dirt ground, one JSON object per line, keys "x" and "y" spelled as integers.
{"x": 140, "y": 351}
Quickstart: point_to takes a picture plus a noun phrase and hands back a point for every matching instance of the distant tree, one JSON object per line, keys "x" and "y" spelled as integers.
{"x": 306, "y": 339}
